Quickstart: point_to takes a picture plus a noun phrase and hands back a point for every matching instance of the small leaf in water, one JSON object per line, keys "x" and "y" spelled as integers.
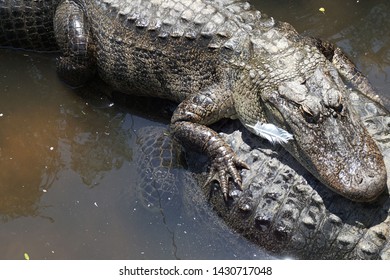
{"x": 322, "y": 10}
{"x": 26, "y": 256}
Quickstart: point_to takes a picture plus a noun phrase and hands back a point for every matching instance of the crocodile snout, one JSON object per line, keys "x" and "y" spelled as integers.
{"x": 372, "y": 186}
{"x": 349, "y": 163}
{"x": 366, "y": 185}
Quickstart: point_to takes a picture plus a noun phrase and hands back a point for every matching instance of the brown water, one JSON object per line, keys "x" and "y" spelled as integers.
{"x": 67, "y": 175}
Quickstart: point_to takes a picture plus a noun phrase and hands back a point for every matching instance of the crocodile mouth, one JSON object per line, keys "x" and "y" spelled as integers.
{"x": 330, "y": 141}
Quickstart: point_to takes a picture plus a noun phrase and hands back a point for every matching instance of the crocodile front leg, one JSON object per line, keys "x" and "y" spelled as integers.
{"x": 189, "y": 127}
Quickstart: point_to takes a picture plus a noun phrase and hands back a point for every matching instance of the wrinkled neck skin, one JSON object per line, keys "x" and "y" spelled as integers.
{"x": 329, "y": 137}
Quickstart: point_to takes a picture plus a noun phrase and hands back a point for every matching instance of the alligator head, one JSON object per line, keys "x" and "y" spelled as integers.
{"x": 329, "y": 137}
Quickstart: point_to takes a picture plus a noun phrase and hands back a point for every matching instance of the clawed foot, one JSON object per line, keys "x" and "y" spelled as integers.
{"x": 224, "y": 167}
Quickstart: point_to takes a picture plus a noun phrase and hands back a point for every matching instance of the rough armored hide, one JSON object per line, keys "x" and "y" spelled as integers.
{"x": 223, "y": 59}
{"x": 28, "y": 24}
{"x": 282, "y": 209}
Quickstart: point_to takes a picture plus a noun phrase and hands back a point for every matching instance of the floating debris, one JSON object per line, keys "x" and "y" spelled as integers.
{"x": 322, "y": 10}
{"x": 26, "y": 257}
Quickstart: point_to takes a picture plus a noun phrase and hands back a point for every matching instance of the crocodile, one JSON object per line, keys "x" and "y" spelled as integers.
{"x": 283, "y": 208}
{"x": 289, "y": 212}
{"x": 222, "y": 59}
{"x": 358, "y": 231}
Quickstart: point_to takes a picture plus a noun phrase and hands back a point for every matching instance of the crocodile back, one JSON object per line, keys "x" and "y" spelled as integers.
{"x": 220, "y": 23}
{"x": 288, "y": 212}
{"x": 174, "y": 47}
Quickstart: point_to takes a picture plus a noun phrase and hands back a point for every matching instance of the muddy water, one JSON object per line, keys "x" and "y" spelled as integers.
{"x": 67, "y": 169}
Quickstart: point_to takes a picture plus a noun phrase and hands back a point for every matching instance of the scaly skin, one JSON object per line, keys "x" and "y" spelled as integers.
{"x": 293, "y": 216}
{"x": 28, "y": 24}
{"x": 223, "y": 59}
{"x": 288, "y": 212}
{"x": 282, "y": 209}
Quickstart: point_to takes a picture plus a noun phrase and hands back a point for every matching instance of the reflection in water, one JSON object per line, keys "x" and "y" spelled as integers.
{"x": 67, "y": 176}
{"x": 29, "y": 158}
{"x": 96, "y": 149}
{"x": 41, "y": 137}
{"x": 48, "y": 139}
{"x": 22, "y": 183}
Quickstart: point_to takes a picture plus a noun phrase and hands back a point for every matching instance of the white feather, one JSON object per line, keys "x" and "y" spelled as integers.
{"x": 271, "y": 132}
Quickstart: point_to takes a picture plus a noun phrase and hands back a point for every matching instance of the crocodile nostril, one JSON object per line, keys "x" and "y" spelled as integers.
{"x": 370, "y": 174}
{"x": 359, "y": 179}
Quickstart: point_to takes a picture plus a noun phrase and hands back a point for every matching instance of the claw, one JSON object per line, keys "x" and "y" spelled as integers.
{"x": 222, "y": 169}
{"x": 225, "y": 196}
{"x": 242, "y": 163}
{"x": 210, "y": 177}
